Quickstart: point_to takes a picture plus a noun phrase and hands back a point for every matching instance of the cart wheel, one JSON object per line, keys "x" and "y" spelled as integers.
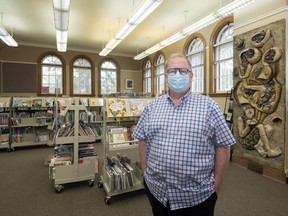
{"x": 59, "y": 188}
{"x": 107, "y": 200}
{"x": 91, "y": 183}
{"x": 10, "y": 149}
{"x": 100, "y": 184}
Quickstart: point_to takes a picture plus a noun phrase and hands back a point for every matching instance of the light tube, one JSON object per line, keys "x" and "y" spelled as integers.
{"x": 208, "y": 20}
{"x": 137, "y": 17}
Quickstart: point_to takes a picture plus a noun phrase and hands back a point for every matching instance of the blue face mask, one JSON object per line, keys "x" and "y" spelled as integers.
{"x": 178, "y": 83}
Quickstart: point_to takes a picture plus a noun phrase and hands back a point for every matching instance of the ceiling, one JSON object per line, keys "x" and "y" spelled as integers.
{"x": 93, "y": 22}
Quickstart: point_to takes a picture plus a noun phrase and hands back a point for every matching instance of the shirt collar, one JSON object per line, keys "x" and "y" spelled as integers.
{"x": 184, "y": 98}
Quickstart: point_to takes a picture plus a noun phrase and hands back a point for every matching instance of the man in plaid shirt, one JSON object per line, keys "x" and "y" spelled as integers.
{"x": 184, "y": 146}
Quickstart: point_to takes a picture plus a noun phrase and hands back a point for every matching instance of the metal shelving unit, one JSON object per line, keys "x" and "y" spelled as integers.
{"x": 5, "y": 114}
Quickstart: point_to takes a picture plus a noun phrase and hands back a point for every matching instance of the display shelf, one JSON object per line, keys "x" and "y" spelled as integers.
{"x": 30, "y": 119}
{"x": 120, "y": 116}
{"x": 70, "y": 163}
{"x": 5, "y": 114}
{"x": 95, "y": 120}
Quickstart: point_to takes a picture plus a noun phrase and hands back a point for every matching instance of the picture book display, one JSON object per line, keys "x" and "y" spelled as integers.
{"x": 124, "y": 107}
{"x": 117, "y": 107}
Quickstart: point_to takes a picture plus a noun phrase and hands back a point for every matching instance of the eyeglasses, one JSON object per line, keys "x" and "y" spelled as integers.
{"x": 182, "y": 71}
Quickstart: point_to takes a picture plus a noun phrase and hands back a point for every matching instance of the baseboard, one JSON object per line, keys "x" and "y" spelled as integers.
{"x": 265, "y": 170}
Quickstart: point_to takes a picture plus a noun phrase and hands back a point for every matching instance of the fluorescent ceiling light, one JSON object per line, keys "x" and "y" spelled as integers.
{"x": 149, "y": 51}
{"x": 172, "y": 39}
{"x": 206, "y": 21}
{"x": 7, "y": 38}
{"x": 61, "y": 38}
{"x": 233, "y": 6}
{"x": 147, "y": 7}
{"x": 61, "y": 18}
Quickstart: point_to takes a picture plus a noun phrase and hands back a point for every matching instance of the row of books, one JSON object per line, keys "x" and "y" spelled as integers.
{"x": 4, "y": 118}
{"x": 66, "y": 152}
{"x": 129, "y": 94}
{"x": 120, "y": 173}
{"x": 33, "y": 102}
{"x": 46, "y": 101}
{"x": 67, "y": 130}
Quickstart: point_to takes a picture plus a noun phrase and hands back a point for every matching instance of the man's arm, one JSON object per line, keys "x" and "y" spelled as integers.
{"x": 221, "y": 162}
{"x": 143, "y": 156}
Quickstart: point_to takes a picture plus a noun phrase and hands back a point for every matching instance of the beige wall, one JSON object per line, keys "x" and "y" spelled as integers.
{"x": 129, "y": 68}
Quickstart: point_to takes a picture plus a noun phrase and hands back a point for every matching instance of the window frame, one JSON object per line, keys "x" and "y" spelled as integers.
{"x": 72, "y": 76}
{"x": 39, "y": 63}
{"x": 144, "y": 68}
{"x": 212, "y": 51}
{"x": 155, "y": 66}
{"x": 185, "y": 51}
{"x": 117, "y": 74}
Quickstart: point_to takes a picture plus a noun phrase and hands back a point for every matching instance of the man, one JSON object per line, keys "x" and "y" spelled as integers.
{"x": 184, "y": 146}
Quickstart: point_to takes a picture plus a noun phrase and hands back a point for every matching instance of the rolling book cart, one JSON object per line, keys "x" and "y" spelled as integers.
{"x": 75, "y": 159}
{"x": 121, "y": 172}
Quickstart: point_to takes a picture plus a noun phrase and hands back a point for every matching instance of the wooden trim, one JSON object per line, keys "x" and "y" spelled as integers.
{"x": 99, "y": 74}
{"x": 39, "y": 73}
{"x": 185, "y": 52}
{"x": 154, "y": 83}
{"x": 143, "y": 72}
{"x": 71, "y": 83}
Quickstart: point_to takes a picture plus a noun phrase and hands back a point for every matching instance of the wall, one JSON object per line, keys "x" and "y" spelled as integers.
{"x": 27, "y": 55}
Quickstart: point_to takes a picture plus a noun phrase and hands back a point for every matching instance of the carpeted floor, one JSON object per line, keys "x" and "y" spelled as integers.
{"x": 25, "y": 190}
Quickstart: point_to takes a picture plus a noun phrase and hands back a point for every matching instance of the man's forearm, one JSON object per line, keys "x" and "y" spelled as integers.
{"x": 143, "y": 156}
{"x": 221, "y": 163}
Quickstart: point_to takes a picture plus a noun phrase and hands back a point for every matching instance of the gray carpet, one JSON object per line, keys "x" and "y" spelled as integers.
{"x": 25, "y": 190}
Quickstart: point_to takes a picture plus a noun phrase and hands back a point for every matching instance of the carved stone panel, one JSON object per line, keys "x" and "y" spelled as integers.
{"x": 259, "y": 94}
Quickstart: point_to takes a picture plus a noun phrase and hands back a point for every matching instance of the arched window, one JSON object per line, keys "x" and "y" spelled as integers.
{"x": 160, "y": 74}
{"x": 82, "y": 77}
{"x": 51, "y": 75}
{"x": 147, "y": 80}
{"x": 195, "y": 55}
{"x": 223, "y": 59}
{"x": 221, "y": 56}
{"x": 109, "y": 77}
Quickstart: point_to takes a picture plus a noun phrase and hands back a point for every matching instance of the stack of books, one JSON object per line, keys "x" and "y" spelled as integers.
{"x": 120, "y": 173}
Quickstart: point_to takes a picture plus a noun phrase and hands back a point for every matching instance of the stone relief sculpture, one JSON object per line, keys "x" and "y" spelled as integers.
{"x": 258, "y": 91}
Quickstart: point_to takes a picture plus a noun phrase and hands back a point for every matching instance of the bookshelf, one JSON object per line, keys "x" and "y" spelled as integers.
{"x": 30, "y": 120}
{"x": 5, "y": 114}
{"x": 121, "y": 172}
{"x": 95, "y": 120}
{"x": 74, "y": 156}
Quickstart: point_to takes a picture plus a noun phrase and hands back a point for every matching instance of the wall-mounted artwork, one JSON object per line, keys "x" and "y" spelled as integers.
{"x": 259, "y": 93}
{"x": 129, "y": 84}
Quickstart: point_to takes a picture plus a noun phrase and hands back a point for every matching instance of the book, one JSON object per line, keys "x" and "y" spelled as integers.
{"x": 96, "y": 102}
{"x": 136, "y": 106}
{"x": 117, "y": 107}
{"x": 119, "y": 137}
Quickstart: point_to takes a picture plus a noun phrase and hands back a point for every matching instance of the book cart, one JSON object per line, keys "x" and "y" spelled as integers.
{"x": 75, "y": 159}
{"x": 121, "y": 172}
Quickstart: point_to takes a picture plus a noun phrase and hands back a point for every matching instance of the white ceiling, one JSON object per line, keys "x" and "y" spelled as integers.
{"x": 93, "y": 22}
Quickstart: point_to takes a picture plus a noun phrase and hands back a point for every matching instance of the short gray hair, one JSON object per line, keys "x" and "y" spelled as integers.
{"x": 177, "y": 55}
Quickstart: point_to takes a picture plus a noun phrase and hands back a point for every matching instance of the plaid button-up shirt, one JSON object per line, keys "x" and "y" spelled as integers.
{"x": 181, "y": 142}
